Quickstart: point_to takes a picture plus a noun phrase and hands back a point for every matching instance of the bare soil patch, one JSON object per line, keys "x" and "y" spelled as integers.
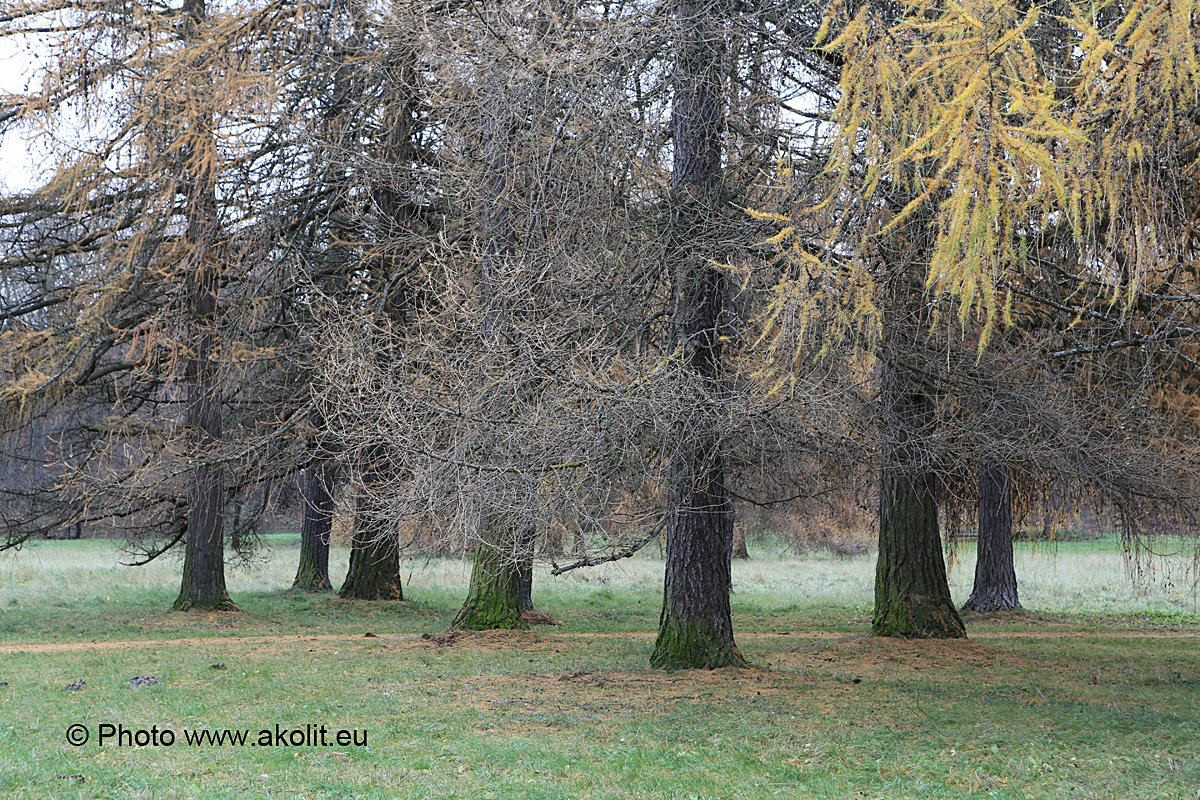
{"x": 531, "y": 639}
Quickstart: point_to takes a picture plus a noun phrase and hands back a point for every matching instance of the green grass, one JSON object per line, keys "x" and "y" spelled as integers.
{"x": 572, "y": 711}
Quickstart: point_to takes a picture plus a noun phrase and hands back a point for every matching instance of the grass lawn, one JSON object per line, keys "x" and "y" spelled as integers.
{"x": 1094, "y": 691}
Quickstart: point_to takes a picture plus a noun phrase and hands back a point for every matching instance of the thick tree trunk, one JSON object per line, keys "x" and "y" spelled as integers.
{"x": 912, "y": 595}
{"x": 494, "y": 596}
{"x": 995, "y": 576}
{"x": 312, "y": 573}
{"x": 374, "y": 572}
{"x": 695, "y": 628}
{"x": 203, "y": 584}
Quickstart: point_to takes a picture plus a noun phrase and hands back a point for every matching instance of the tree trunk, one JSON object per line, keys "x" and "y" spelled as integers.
{"x": 912, "y": 595}
{"x": 495, "y": 592}
{"x": 695, "y": 628}
{"x": 312, "y": 573}
{"x": 374, "y": 572}
{"x": 525, "y": 569}
{"x": 739, "y": 544}
{"x": 203, "y": 584}
{"x": 494, "y": 597}
{"x": 235, "y": 532}
{"x": 995, "y": 576}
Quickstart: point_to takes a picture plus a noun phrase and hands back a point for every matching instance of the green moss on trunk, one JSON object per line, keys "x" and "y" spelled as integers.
{"x": 694, "y": 645}
{"x": 912, "y": 595}
{"x": 494, "y": 596}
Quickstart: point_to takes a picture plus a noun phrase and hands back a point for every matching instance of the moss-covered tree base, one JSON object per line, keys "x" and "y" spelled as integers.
{"x": 918, "y": 617}
{"x": 220, "y": 602}
{"x": 494, "y": 597}
{"x": 374, "y": 572}
{"x": 310, "y": 579}
{"x": 693, "y": 646}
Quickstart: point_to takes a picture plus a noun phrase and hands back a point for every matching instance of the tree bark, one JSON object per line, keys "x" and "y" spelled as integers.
{"x": 695, "y": 627}
{"x": 995, "y": 586}
{"x": 203, "y": 584}
{"x": 525, "y": 545}
{"x": 912, "y": 595}
{"x": 374, "y": 572}
{"x": 494, "y": 596}
{"x": 312, "y": 573}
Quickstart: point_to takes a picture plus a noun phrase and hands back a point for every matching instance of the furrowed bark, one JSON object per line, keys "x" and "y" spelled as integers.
{"x": 203, "y": 582}
{"x": 374, "y": 572}
{"x": 493, "y": 599}
{"x": 312, "y": 573}
{"x": 995, "y": 586}
{"x": 912, "y": 595}
{"x": 696, "y": 627}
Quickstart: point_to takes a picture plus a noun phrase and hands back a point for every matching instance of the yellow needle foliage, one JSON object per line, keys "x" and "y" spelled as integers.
{"x": 996, "y": 125}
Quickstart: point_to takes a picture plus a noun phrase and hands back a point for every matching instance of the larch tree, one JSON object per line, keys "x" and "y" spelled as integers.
{"x": 179, "y": 204}
{"x": 995, "y": 586}
{"x": 973, "y": 140}
{"x": 695, "y": 627}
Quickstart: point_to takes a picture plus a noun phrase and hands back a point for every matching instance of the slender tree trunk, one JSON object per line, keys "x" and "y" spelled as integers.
{"x": 995, "y": 576}
{"x": 695, "y": 628}
{"x": 494, "y": 596}
{"x": 203, "y": 584}
{"x": 235, "y": 531}
{"x": 312, "y": 573}
{"x": 525, "y": 545}
{"x": 374, "y": 572}
{"x": 912, "y": 595}
{"x": 739, "y": 544}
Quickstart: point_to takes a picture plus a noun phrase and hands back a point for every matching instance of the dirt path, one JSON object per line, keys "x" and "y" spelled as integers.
{"x": 223, "y": 641}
